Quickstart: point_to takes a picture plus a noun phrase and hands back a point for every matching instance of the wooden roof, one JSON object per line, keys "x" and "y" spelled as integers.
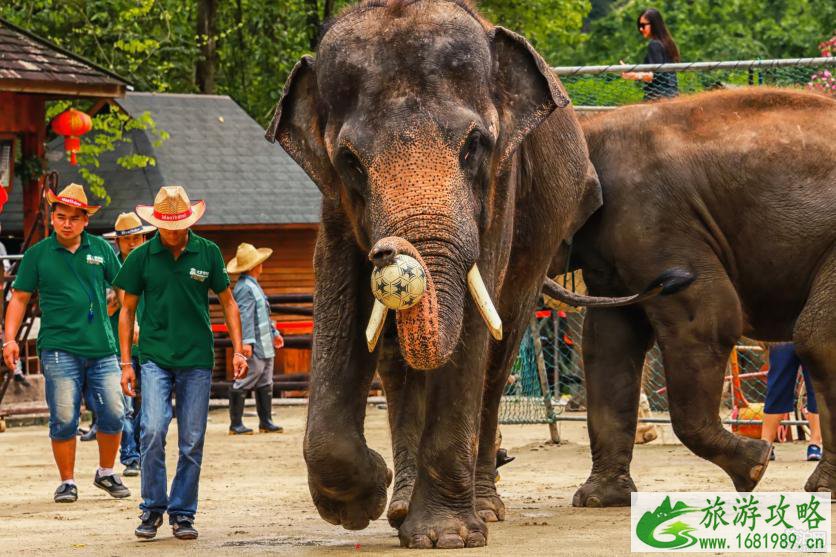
{"x": 31, "y": 64}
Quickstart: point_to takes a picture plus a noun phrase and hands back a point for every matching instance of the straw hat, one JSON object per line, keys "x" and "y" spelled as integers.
{"x": 128, "y": 224}
{"x": 172, "y": 209}
{"x": 72, "y": 196}
{"x": 247, "y": 257}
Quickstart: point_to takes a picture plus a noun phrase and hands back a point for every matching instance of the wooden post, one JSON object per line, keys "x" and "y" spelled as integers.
{"x": 554, "y": 434}
{"x": 33, "y": 145}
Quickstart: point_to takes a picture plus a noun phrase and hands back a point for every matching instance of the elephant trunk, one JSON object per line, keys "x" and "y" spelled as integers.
{"x": 428, "y": 331}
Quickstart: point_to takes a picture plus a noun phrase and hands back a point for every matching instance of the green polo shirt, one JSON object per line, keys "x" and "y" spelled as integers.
{"x": 69, "y": 285}
{"x": 175, "y": 331}
{"x": 114, "y": 319}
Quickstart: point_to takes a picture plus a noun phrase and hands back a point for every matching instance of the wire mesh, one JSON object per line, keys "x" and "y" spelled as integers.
{"x": 561, "y": 335}
{"x": 598, "y": 88}
{"x": 602, "y": 87}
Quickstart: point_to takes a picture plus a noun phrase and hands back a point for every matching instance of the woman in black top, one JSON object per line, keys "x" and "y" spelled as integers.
{"x": 662, "y": 49}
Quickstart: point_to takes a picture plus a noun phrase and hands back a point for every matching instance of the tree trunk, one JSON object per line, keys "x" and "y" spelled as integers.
{"x": 207, "y": 11}
{"x": 313, "y": 22}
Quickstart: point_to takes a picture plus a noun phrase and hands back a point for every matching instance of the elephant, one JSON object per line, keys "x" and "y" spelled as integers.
{"x": 434, "y": 134}
{"x": 739, "y": 188}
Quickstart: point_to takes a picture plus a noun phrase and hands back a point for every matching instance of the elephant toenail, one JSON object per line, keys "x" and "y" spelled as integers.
{"x": 476, "y": 539}
{"x": 450, "y": 541}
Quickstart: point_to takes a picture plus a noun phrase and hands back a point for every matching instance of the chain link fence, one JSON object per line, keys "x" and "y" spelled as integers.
{"x": 544, "y": 385}
{"x": 547, "y": 383}
{"x": 597, "y": 88}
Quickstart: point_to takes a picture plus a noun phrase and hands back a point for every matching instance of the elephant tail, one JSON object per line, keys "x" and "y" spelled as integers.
{"x": 670, "y": 282}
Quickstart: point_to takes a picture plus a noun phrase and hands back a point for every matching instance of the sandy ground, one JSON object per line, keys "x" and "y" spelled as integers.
{"x": 254, "y": 497}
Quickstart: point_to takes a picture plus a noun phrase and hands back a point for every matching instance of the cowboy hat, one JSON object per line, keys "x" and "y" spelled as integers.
{"x": 72, "y": 196}
{"x": 128, "y": 224}
{"x": 172, "y": 209}
{"x": 247, "y": 257}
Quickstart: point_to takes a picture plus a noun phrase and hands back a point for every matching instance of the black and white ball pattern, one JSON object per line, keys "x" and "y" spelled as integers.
{"x": 401, "y": 284}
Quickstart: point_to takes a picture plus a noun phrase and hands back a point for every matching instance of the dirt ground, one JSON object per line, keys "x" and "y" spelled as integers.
{"x": 254, "y": 497}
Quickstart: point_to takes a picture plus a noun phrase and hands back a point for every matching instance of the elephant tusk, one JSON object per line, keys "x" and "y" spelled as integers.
{"x": 483, "y": 301}
{"x": 375, "y": 326}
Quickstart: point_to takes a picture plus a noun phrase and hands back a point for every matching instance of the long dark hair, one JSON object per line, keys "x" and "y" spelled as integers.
{"x": 659, "y": 31}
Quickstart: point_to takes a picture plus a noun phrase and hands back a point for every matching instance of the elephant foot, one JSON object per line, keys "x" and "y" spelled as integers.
{"x": 399, "y": 504}
{"x": 749, "y": 464}
{"x": 425, "y": 530}
{"x": 646, "y": 434}
{"x": 490, "y": 508}
{"x": 354, "y": 506}
{"x": 605, "y": 490}
{"x": 823, "y": 478}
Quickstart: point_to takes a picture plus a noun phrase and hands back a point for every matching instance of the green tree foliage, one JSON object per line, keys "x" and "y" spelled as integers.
{"x": 155, "y": 43}
{"x": 713, "y": 30}
{"x": 149, "y": 42}
{"x": 552, "y": 26}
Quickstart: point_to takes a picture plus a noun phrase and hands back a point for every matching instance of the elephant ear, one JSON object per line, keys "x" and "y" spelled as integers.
{"x": 298, "y": 126}
{"x": 526, "y": 90}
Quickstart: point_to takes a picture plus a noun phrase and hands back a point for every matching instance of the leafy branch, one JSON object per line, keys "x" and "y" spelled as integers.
{"x": 110, "y": 129}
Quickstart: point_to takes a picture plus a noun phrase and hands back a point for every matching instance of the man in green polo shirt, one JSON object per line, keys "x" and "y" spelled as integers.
{"x": 76, "y": 346}
{"x": 174, "y": 271}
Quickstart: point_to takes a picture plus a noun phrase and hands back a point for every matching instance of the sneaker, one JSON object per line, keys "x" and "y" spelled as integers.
{"x": 813, "y": 453}
{"x": 131, "y": 470}
{"x": 183, "y": 528}
{"x": 147, "y": 529}
{"x": 66, "y": 493}
{"x": 113, "y": 485}
{"x": 772, "y": 453}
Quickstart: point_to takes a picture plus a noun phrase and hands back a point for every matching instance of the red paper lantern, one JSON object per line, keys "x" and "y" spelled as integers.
{"x": 72, "y": 124}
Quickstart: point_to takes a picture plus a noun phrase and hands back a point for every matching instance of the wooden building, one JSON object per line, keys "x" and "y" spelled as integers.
{"x": 32, "y": 72}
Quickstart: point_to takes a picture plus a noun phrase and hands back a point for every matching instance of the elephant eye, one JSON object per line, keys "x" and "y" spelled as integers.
{"x": 471, "y": 153}
{"x": 353, "y": 170}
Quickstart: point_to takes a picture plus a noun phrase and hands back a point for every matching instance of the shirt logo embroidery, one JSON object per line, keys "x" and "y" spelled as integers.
{"x": 95, "y": 259}
{"x": 198, "y": 275}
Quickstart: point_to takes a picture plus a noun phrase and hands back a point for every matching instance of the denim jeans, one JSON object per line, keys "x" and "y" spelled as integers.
{"x": 191, "y": 388}
{"x": 129, "y": 448}
{"x": 68, "y": 378}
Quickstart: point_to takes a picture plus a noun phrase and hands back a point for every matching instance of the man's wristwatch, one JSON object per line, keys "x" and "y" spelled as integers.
{"x": 5, "y": 344}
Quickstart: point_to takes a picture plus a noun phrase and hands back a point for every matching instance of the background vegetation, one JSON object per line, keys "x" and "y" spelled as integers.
{"x": 245, "y": 48}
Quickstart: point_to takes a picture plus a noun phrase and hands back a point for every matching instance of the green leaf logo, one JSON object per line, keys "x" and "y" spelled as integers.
{"x": 681, "y": 532}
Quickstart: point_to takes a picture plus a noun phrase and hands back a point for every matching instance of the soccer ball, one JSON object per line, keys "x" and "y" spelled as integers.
{"x": 401, "y": 284}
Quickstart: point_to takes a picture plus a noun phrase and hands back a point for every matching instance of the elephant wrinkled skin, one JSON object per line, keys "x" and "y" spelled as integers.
{"x": 738, "y": 187}
{"x": 433, "y": 133}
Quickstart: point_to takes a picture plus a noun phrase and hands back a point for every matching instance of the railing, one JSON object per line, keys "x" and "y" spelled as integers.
{"x": 597, "y": 88}
{"x": 49, "y": 180}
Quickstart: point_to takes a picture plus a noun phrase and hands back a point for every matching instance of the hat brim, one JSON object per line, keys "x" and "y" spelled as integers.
{"x": 91, "y": 210}
{"x": 263, "y": 254}
{"x": 146, "y": 213}
{"x": 146, "y": 229}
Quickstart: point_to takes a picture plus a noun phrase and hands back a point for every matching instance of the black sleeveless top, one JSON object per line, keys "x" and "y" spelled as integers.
{"x": 664, "y": 84}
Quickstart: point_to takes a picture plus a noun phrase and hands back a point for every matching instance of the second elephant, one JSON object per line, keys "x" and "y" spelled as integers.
{"x": 738, "y": 187}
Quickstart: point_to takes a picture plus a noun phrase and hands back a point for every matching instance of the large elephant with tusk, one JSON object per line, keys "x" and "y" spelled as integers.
{"x": 436, "y": 136}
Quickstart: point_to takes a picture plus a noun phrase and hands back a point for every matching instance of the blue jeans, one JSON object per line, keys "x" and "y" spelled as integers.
{"x": 191, "y": 388}
{"x": 129, "y": 448}
{"x": 67, "y": 375}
